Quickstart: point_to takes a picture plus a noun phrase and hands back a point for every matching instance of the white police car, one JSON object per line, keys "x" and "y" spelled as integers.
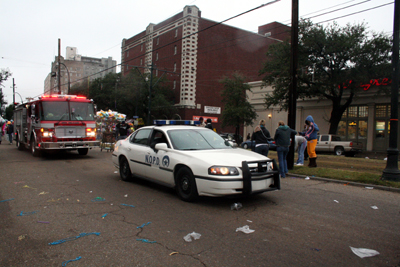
{"x": 194, "y": 160}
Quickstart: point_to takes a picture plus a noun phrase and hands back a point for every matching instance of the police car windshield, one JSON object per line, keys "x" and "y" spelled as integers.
{"x": 193, "y": 139}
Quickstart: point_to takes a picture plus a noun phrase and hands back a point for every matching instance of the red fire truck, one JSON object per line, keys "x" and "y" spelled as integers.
{"x": 56, "y": 122}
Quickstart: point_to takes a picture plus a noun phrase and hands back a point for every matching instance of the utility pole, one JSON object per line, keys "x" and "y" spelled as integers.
{"x": 13, "y": 92}
{"x": 59, "y": 67}
{"x": 391, "y": 172}
{"x": 293, "y": 73}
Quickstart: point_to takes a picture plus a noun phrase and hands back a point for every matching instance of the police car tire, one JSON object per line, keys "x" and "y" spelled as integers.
{"x": 186, "y": 185}
{"x": 124, "y": 169}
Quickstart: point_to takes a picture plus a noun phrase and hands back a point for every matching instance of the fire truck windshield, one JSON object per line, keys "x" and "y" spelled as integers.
{"x": 67, "y": 111}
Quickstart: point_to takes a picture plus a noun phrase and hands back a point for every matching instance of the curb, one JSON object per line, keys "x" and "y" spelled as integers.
{"x": 380, "y": 187}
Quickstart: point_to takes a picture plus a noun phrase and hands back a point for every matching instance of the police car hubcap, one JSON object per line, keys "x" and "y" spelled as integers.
{"x": 185, "y": 184}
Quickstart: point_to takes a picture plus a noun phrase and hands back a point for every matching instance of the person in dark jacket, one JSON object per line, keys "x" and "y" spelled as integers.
{"x": 282, "y": 141}
{"x": 10, "y": 131}
{"x": 311, "y": 135}
{"x": 260, "y": 137}
{"x": 209, "y": 125}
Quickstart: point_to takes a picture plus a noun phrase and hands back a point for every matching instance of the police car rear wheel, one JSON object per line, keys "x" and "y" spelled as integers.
{"x": 124, "y": 170}
{"x": 186, "y": 185}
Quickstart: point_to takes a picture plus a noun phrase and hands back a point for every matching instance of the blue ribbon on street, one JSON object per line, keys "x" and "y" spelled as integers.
{"x": 66, "y": 262}
{"x": 143, "y": 225}
{"x": 6, "y": 200}
{"x": 72, "y": 238}
{"x": 27, "y": 213}
{"x": 146, "y": 241}
{"x": 128, "y": 205}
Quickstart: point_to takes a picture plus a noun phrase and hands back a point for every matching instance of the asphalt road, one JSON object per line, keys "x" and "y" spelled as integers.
{"x": 54, "y": 199}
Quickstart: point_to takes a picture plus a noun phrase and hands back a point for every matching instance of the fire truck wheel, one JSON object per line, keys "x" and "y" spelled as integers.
{"x": 124, "y": 169}
{"x": 18, "y": 143}
{"x": 35, "y": 152}
{"x": 83, "y": 151}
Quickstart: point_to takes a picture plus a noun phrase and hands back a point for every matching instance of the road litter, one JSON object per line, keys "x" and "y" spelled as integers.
{"x": 173, "y": 253}
{"x": 27, "y": 186}
{"x": 245, "y": 229}
{"x": 72, "y": 238}
{"x": 7, "y": 200}
{"x": 366, "y": 158}
{"x": 188, "y": 237}
{"x": 364, "y": 252}
{"x": 307, "y": 178}
{"x": 43, "y": 193}
{"x": 126, "y": 195}
{"x": 104, "y": 216}
{"x": 385, "y": 159}
{"x": 19, "y": 182}
{"x": 128, "y": 205}
{"x": 116, "y": 172}
{"x": 374, "y": 207}
{"x": 369, "y": 187}
{"x": 143, "y": 225}
{"x": 42, "y": 222}
{"x": 90, "y": 192}
{"x": 316, "y": 249}
{"x": 54, "y": 200}
{"x": 21, "y": 237}
{"x": 66, "y": 262}
{"x": 98, "y": 199}
{"x": 27, "y": 213}
{"x": 236, "y": 206}
{"x": 146, "y": 241}
{"x": 336, "y": 201}
{"x": 249, "y": 221}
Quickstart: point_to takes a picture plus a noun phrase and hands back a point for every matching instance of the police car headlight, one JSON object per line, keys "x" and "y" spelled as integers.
{"x": 222, "y": 170}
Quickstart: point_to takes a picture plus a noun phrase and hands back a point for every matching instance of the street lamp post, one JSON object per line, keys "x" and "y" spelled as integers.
{"x": 69, "y": 81}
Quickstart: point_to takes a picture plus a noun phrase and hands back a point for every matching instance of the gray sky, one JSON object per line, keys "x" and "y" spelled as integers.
{"x": 31, "y": 29}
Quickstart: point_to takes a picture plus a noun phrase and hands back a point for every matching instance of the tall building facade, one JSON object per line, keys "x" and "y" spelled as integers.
{"x": 198, "y": 53}
{"x": 80, "y": 69}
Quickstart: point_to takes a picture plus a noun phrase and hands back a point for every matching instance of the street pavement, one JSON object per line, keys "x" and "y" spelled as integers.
{"x": 63, "y": 206}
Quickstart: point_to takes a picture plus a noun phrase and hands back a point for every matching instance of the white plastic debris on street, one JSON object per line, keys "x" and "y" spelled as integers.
{"x": 236, "y": 206}
{"x": 188, "y": 237}
{"x": 374, "y": 207}
{"x": 307, "y": 178}
{"x": 336, "y": 201}
{"x": 245, "y": 229}
{"x": 364, "y": 252}
{"x": 369, "y": 187}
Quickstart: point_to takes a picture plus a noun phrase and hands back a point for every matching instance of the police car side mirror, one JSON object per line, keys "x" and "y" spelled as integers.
{"x": 161, "y": 146}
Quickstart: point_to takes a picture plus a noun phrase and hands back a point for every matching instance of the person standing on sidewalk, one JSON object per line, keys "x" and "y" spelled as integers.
{"x": 282, "y": 141}
{"x": 260, "y": 138}
{"x": 10, "y": 131}
{"x": 301, "y": 144}
{"x": 311, "y": 135}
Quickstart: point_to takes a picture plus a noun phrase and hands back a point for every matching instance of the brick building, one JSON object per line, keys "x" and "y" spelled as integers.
{"x": 79, "y": 67}
{"x": 202, "y": 51}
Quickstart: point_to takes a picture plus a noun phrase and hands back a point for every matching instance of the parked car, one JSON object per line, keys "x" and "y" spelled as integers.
{"x": 250, "y": 144}
{"x": 195, "y": 161}
{"x": 230, "y": 138}
{"x": 333, "y": 143}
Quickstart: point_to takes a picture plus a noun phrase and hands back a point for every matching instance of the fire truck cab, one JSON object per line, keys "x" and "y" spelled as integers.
{"x": 56, "y": 122}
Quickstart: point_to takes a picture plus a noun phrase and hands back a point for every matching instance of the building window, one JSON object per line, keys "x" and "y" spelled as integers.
{"x": 175, "y": 50}
{"x": 141, "y": 47}
{"x": 354, "y": 124}
{"x": 158, "y": 40}
{"x": 175, "y": 67}
{"x": 174, "y": 86}
{"x": 156, "y": 56}
{"x": 141, "y": 62}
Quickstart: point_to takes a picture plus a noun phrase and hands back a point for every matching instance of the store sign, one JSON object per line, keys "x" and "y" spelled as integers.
{"x": 366, "y": 86}
{"x": 212, "y": 110}
{"x": 213, "y": 119}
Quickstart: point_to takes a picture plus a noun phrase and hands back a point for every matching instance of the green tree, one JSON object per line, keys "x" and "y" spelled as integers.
{"x": 237, "y": 110}
{"x": 4, "y": 75}
{"x": 332, "y": 62}
{"x": 9, "y": 112}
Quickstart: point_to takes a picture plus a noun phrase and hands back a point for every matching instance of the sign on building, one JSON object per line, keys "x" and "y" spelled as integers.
{"x": 212, "y": 110}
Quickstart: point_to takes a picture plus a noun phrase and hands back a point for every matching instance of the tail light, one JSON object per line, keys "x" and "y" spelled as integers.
{"x": 351, "y": 144}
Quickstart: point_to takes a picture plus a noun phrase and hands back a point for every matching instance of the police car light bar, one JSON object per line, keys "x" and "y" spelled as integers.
{"x": 175, "y": 122}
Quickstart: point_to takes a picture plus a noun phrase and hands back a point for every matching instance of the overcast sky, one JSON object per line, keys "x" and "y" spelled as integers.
{"x": 31, "y": 29}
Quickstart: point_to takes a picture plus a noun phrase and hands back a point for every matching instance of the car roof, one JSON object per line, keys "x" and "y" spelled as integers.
{"x": 173, "y": 127}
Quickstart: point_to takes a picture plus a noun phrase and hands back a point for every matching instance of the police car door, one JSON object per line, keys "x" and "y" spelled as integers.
{"x": 160, "y": 170}
{"x": 137, "y": 152}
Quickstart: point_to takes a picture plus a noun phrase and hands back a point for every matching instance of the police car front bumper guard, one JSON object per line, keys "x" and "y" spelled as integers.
{"x": 69, "y": 145}
{"x": 250, "y": 173}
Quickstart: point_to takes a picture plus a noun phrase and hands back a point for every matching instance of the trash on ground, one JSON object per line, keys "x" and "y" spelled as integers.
{"x": 66, "y": 262}
{"x": 7, "y": 200}
{"x": 307, "y": 178}
{"x": 143, "y": 225}
{"x": 21, "y": 237}
{"x": 385, "y": 159}
{"x": 104, "y": 216}
{"x": 98, "y": 199}
{"x": 366, "y": 158}
{"x": 43, "y": 193}
{"x": 72, "y": 238}
{"x": 249, "y": 221}
{"x": 336, "y": 201}
{"x": 27, "y": 186}
{"x": 116, "y": 172}
{"x": 236, "y": 206}
{"x": 128, "y": 205}
{"x": 364, "y": 252}
{"x": 145, "y": 240}
{"x": 173, "y": 253}
{"x": 374, "y": 207}
{"x": 54, "y": 200}
{"x": 245, "y": 229}
{"x": 369, "y": 187}
{"x": 188, "y": 237}
{"x": 126, "y": 195}
{"x": 27, "y": 213}
{"x": 42, "y": 222}
{"x": 19, "y": 182}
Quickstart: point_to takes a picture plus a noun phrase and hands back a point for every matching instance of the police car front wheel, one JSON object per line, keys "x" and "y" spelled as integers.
{"x": 124, "y": 169}
{"x": 186, "y": 185}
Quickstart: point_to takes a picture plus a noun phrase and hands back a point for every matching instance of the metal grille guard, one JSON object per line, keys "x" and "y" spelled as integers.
{"x": 248, "y": 175}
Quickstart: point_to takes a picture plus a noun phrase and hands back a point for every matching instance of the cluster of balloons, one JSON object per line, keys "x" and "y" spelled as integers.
{"x": 110, "y": 115}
